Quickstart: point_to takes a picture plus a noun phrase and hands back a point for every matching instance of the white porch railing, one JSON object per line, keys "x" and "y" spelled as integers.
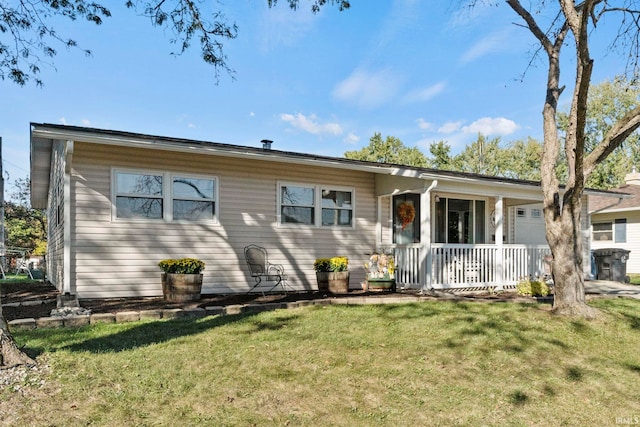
{"x": 471, "y": 266}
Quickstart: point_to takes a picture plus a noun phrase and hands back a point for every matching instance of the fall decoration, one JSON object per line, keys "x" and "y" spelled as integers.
{"x": 406, "y": 213}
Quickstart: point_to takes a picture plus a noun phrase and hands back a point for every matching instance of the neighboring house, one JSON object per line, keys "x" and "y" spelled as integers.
{"x": 615, "y": 222}
{"x": 118, "y": 202}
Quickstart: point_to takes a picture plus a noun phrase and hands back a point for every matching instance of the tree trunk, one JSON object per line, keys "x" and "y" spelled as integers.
{"x": 565, "y": 240}
{"x": 10, "y": 354}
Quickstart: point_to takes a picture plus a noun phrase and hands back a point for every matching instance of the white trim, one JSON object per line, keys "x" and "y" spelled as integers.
{"x": 317, "y": 204}
{"x": 203, "y": 148}
{"x": 66, "y": 261}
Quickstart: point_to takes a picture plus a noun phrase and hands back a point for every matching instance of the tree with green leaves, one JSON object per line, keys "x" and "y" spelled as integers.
{"x": 25, "y": 227}
{"x": 576, "y": 26}
{"x": 608, "y": 102}
{"x": 523, "y": 159}
{"x": 390, "y": 150}
{"x": 29, "y": 40}
{"x": 440, "y": 156}
{"x": 482, "y": 157}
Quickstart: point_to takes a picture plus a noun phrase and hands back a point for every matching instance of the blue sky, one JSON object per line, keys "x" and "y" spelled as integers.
{"x": 421, "y": 71}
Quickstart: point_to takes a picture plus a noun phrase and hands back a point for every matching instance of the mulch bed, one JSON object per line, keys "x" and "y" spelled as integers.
{"x": 29, "y": 294}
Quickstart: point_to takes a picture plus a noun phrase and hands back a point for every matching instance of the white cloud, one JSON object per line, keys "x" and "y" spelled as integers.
{"x": 494, "y": 42}
{"x": 351, "y": 138}
{"x": 423, "y": 124}
{"x": 450, "y": 127}
{"x": 63, "y": 121}
{"x": 368, "y": 89}
{"x": 311, "y": 124}
{"x": 252, "y": 114}
{"x": 492, "y": 126}
{"x": 283, "y": 26}
{"x": 425, "y": 94}
{"x": 85, "y": 122}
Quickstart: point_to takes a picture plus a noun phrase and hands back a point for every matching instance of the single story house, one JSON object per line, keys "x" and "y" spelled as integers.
{"x": 119, "y": 202}
{"x": 615, "y": 222}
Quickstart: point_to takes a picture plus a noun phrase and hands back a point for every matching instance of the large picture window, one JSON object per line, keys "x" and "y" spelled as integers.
{"x": 162, "y": 195}
{"x": 315, "y": 205}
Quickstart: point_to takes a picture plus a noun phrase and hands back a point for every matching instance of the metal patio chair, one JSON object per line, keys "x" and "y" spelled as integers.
{"x": 260, "y": 268}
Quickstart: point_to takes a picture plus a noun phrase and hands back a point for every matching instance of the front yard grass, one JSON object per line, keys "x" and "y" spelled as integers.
{"x": 635, "y": 278}
{"x": 432, "y": 363}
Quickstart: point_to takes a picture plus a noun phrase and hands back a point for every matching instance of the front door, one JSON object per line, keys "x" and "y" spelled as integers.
{"x": 406, "y": 230}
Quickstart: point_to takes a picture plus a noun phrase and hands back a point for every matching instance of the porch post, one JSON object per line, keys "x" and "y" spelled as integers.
{"x": 425, "y": 238}
{"x": 499, "y": 216}
{"x": 379, "y": 224}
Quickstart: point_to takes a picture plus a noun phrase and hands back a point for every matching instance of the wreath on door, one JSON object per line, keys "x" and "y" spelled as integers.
{"x": 406, "y": 214}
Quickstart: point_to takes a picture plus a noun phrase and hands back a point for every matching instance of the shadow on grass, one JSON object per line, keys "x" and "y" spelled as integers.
{"x": 486, "y": 327}
{"x": 141, "y": 334}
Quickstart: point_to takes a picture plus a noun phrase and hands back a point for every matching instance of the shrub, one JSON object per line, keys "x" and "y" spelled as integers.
{"x": 182, "y": 266}
{"x": 535, "y": 288}
{"x": 337, "y": 263}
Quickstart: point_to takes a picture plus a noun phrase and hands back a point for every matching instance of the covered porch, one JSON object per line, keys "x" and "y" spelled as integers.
{"x": 469, "y": 232}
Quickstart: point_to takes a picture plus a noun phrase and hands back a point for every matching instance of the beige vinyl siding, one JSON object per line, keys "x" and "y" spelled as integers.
{"x": 55, "y": 225}
{"x": 386, "y": 220}
{"x": 633, "y": 236}
{"x": 115, "y": 257}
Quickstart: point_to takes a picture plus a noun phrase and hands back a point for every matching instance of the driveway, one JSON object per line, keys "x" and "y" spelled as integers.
{"x": 605, "y": 287}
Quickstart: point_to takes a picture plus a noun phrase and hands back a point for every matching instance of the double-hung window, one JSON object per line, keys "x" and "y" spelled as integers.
{"x": 610, "y": 231}
{"x": 163, "y": 195}
{"x": 139, "y": 195}
{"x": 315, "y": 205}
{"x": 193, "y": 198}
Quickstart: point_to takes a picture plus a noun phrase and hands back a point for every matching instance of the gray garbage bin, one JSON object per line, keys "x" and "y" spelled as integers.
{"x": 611, "y": 264}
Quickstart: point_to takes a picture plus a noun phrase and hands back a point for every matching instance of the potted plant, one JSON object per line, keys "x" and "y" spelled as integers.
{"x": 332, "y": 274}
{"x": 380, "y": 271}
{"x": 181, "y": 279}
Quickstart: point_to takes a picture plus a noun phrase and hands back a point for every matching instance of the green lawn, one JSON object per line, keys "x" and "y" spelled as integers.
{"x": 432, "y": 363}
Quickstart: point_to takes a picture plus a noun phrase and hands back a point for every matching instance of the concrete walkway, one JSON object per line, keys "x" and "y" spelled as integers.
{"x": 605, "y": 287}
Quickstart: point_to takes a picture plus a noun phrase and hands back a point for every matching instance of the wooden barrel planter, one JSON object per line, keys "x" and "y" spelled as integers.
{"x": 335, "y": 282}
{"x": 181, "y": 287}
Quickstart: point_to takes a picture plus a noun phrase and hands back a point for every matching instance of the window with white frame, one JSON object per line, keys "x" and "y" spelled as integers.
{"x": 315, "y": 205}
{"x": 536, "y": 213}
{"x": 193, "y": 198}
{"x": 620, "y": 230}
{"x": 162, "y": 195}
{"x": 337, "y": 208}
{"x": 602, "y": 231}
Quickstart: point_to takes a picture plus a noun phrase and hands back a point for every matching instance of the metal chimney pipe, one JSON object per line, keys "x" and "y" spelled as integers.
{"x": 266, "y": 144}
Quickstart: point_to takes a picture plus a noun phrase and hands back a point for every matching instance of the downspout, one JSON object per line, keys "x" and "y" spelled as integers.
{"x": 620, "y": 199}
{"x": 66, "y": 281}
{"x": 425, "y": 237}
